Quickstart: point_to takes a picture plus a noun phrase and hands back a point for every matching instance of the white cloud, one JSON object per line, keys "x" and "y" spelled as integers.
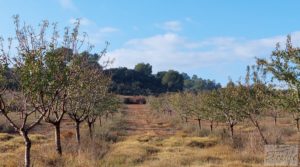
{"x": 171, "y": 51}
{"x": 100, "y": 35}
{"x": 67, "y": 4}
{"x": 171, "y": 26}
{"x": 83, "y": 21}
{"x": 108, "y": 30}
{"x": 96, "y": 34}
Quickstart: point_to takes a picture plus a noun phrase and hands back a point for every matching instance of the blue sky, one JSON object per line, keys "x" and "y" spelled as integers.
{"x": 214, "y": 39}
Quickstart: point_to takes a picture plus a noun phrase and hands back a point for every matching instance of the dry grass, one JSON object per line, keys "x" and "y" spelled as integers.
{"x": 89, "y": 153}
{"x": 151, "y": 150}
{"x": 148, "y": 139}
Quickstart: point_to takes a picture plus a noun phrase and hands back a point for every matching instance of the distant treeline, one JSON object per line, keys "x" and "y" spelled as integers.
{"x": 141, "y": 81}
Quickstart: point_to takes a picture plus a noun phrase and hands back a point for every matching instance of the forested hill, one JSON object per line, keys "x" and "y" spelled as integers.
{"x": 141, "y": 81}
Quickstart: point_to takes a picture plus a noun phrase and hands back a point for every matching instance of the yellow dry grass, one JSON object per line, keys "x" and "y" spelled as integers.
{"x": 153, "y": 151}
{"x": 152, "y": 141}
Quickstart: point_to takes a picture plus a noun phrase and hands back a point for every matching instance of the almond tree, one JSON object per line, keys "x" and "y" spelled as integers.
{"x": 81, "y": 95}
{"x": 31, "y": 76}
{"x": 88, "y": 88}
{"x": 100, "y": 100}
{"x": 210, "y": 113}
{"x": 155, "y": 103}
{"x": 226, "y": 102}
{"x": 179, "y": 101}
{"x": 198, "y": 108}
{"x": 284, "y": 65}
{"x": 255, "y": 96}
{"x": 290, "y": 102}
{"x": 275, "y": 103}
{"x": 42, "y": 67}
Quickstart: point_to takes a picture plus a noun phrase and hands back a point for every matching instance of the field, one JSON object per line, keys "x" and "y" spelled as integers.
{"x": 140, "y": 137}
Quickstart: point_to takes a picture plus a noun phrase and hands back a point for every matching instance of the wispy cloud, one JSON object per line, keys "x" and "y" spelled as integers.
{"x": 107, "y": 30}
{"x": 67, "y": 4}
{"x": 172, "y": 51}
{"x": 101, "y": 34}
{"x": 83, "y": 21}
{"x": 171, "y": 26}
{"x": 96, "y": 34}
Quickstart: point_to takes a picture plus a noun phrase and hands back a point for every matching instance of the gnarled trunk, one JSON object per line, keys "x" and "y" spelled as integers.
{"x": 211, "y": 125}
{"x": 90, "y": 124}
{"x": 256, "y": 124}
{"x": 231, "y": 130}
{"x": 27, "y": 148}
{"x": 199, "y": 123}
{"x": 57, "y": 138}
{"x": 262, "y": 135}
{"x": 100, "y": 121}
{"x": 77, "y": 124}
{"x": 275, "y": 121}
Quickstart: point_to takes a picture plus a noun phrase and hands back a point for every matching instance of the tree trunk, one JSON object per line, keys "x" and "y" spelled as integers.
{"x": 211, "y": 125}
{"x": 78, "y": 132}
{"x": 90, "y": 130}
{"x": 199, "y": 123}
{"x": 297, "y": 122}
{"x": 100, "y": 121}
{"x": 232, "y": 130}
{"x": 261, "y": 134}
{"x": 27, "y": 148}
{"x": 256, "y": 124}
{"x": 186, "y": 119}
{"x": 57, "y": 138}
{"x": 275, "y": 120}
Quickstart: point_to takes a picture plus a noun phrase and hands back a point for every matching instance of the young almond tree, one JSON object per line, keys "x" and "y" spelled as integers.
{"x": 196, "y": 104}
{"x": 31, "y": 74}
{"x": 284, "y": 65}
{"x": 101, "y": 101}
{"x": 275, "y": 103}
{"x": 81, "y": 91}
{"x": 209, "y": 113}
{"x": 255, "y": 96}
{"x": 42, "y": 68}
{"x": 290, "y": 102}
{"x": 155, "y": 103}
{"x": 180, "y": 101}
{"x": 88, "y": 87}
{"x": 226, "y": 102}
{"x": 59, "y": 59}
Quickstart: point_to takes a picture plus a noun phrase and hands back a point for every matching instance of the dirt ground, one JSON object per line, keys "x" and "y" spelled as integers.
{"x": 141, "y": 121}
{"x": 151, "y": 139}
{"x": 154, "y": 141}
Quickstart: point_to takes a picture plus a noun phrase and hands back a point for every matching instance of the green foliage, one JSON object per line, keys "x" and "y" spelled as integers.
{"x": 173, "y": 81}
{"x": 284, "y": 64}
{"x": 198, "y": 84}
{"x": 130, "y": 82}
{"x": 140, "y": 81}
{"x": 143, "y": 68}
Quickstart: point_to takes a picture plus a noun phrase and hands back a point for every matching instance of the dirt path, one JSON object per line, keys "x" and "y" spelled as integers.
{"x": 141, "y": 120}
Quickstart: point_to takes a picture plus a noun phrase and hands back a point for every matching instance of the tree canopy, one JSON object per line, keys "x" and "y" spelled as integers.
{"x": 141, "y": 81}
